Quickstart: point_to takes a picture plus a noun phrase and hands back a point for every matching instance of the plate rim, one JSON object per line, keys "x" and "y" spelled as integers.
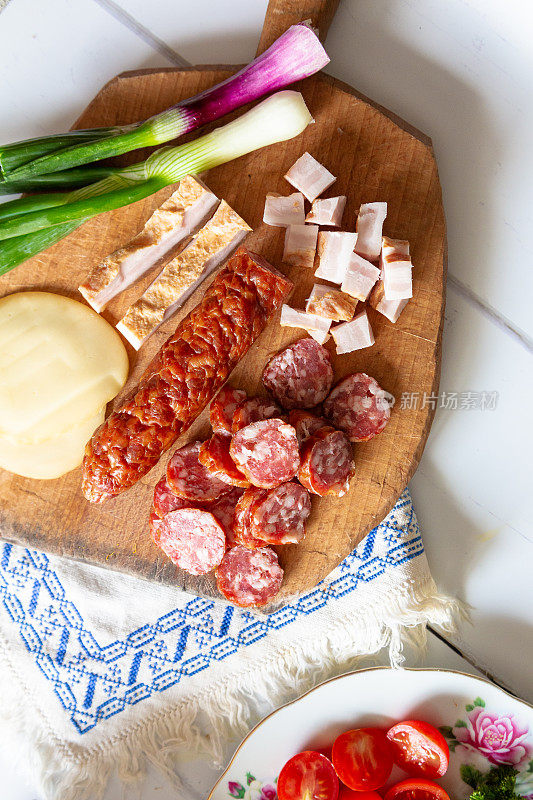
{"x": 356, "y": 672}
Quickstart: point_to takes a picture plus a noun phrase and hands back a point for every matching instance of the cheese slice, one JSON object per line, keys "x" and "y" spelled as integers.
{"x": 170, "y": 226}
{"x": 210, "y": 247}
{"x": 50, "y": 458}
{"x": 59, "y": 364}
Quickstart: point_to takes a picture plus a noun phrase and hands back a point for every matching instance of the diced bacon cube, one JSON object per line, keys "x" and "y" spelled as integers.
{"x": 354, "y": 335}
{"x": 397, "y": 280}
{"x": 328, "y": 302}
{"x": 328, "y": 211}
{"x": 280, "y": 212}
{"x": 389, "y": 308}
{"x": 292, "y": 318}
{"x": 360, "y": 277}
{"x": 393, "y": 249}
{"x": 369, "y": 228}
{"x": 319, "y": 336}
{"x": 334, "y": 251}
{"x": 309, "y": 177}
{"x": 300, "y": 245}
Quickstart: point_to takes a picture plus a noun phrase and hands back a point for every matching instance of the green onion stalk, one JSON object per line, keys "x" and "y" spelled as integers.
{"x": 295, "y": 55}
{"x": 278, "y": 118}
{"x": 67, "y": 179}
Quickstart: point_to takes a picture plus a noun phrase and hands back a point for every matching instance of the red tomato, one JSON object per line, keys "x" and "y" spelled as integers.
{"x": 419, "y": 748}
{"x": 349, "y": 794}
{"x": 308, "y": 776}
{"x": 362, "y": 758}
{"x": 417, "y": 789}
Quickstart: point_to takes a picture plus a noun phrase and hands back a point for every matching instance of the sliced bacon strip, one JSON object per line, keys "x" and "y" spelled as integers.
{"x": 354, "y": 335}
{"x": 334, "y": 249}
{"x": 369, "y": 227}
{"x": 249, "y": 577}
{"x": 330, "y": 303}
{"x": 300, "y": 245}
{"x": 360, "y": 277}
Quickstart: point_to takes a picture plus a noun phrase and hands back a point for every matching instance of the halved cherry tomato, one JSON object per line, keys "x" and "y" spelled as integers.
{"x": 308, "y": 776}
{"x": 417, "y": 789}
{"x": 362, "y": 758}
{"x": 349, "y": 794}
{"x": 419, "y": 748}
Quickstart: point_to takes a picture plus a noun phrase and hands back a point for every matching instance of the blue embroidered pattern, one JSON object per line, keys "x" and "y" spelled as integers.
{"x": 93, "y": 682}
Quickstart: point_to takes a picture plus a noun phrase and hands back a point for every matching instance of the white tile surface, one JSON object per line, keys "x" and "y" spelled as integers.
{"x": 472, "y": 493}
{"x": 461, "y": 71}
{"x": 54, "y": 57}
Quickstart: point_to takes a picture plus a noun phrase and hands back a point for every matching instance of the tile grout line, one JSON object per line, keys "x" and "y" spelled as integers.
{"x": 143, "y": 33}
{"x": 485, "y": 672}
{"x": 491, "y": 313}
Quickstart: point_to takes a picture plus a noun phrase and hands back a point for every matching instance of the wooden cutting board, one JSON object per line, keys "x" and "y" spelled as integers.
{"x": 375, "y": 156}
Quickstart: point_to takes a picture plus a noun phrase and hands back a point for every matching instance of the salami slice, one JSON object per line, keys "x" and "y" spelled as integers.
{"x": 243, "y": 518}
{"x": 266, "y": 452}
{"x": 249, "y": 577}
{"x": 214, "y": 455}
{"x": 223, "y": 408}
{"x": 359, "y": 407}
{"x": 165, "y": 500}
{"x": 224, "y": 510}
{"x": 193, "y": 539}
{"x": 188, "y": 478}
{"x": 299, "y": 376}
{"x": 327, "y": 463}
{"x": 305, "y": 424}
{"x": 154, "y": 523}
{"x": 254, "y": 410}
{"x": 279, "y": 517}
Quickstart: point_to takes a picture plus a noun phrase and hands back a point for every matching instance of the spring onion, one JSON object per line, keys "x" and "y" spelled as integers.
{"x": 295, "y": 55}
{"x": 69, "y": 179}
{"x": 282, "y": 116}
{"x": 17, "y": 154}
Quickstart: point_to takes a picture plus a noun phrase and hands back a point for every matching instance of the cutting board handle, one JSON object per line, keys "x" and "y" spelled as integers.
{"x": 281, "y": 14}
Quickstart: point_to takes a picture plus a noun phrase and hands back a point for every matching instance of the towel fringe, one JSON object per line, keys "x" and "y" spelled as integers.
{"x": 203, "y": 723}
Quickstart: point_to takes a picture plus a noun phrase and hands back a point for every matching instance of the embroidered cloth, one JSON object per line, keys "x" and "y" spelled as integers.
{"x": 100, "y": 670}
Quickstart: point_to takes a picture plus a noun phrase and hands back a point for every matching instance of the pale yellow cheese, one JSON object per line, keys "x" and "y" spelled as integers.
{"x": 60, "y": 364}
{"x": 53, "y": 457}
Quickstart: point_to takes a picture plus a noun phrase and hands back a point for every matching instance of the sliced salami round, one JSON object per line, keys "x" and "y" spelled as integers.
{"x": 359, "y": 407}
{"x": 254, "y": 410}
{"x": 223, "y": 408}
{"x": 327, "y": 463}
{"x": 299, "y": 376}
{"x": 305, "y": 424}
{"x": 188, "y": 478}
{"x": 249, "y": 577}
{"x": 154, "y": 523}
{"x": 224, "y": 510}
{"x": 165, "y": 500}
{"x": 243, "y": 518}
{"x": 214, "y": 455}
{"x": 193, "y": 539}
{"x": 266, "y": 452}
{"x": 279, "y": 517}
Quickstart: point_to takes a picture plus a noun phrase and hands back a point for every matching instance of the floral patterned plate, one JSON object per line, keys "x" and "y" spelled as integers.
{"x": 485, "y": 727}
